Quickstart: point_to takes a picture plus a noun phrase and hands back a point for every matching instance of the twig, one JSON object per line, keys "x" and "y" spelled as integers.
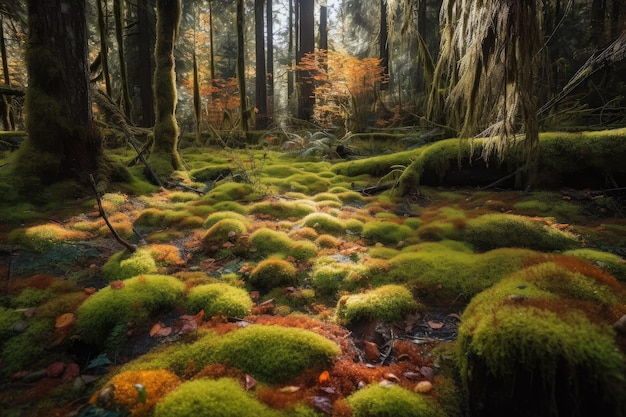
{"x": 143, "y": 160}
{"x": 131, "y": 248}
{"x": 493, "y": 184}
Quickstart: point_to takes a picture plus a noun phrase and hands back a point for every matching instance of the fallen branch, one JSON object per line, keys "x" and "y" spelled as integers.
{"x": 131, "y": 248}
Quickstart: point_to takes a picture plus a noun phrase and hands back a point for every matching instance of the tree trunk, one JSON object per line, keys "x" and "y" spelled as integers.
{"x": 260, "y": 83}
{"x": 164, "y": 157}
{"x": 5, "y": 105}
{"x": 290, "y": 53}
{"x": 125, "y": 95}
{"x": 104, "y": 48}
{"x": 145, "y": 53}
{"x": 383, "y": 44}
{"x": 241, "y": 68}
{"x": 63, "y": 142}
{"x": 323, "y": 28}
{"x": 307, "y": 46}
{"x": 270, "y": 62}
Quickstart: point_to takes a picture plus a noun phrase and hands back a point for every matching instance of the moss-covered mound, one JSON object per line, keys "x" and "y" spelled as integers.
{"x": 109, "y": 311}
{"x": 216, "y": 398}
{"x": 274, "y": 354}
{"x": 219, "y": 299}
{"x": 386, "y": 303}
{"x": 271, "y": 273}
{"x": 266, "y": 242}
{"x": 379, "y": 401}
{"x": 544, "y": 334}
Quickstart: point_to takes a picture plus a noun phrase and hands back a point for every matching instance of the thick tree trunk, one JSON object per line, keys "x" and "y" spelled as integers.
{"x": 125, "y": 95}
{"x": 104, "y": 47}
{"x": 260, "y": 81}
{"x": 241, "y": 68}
{"x": 5, "y": 105}
{"x": 145, "y": 65}
{"x": 63, "y": 141}
{"x": 307, "y": 46}
{"x": 164, "y": 157}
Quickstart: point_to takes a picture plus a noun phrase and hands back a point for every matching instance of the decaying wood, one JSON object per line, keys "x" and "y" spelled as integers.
{"x": 131, "y": 248}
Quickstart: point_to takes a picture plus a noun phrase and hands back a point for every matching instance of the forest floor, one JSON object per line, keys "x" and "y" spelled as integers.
{"x": 50, "y": 275}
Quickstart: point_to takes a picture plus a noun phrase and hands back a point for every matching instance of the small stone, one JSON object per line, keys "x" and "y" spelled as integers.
{"x": 20, "y": 326}
{"x": 428, "y": 372}
{"x": 620, "y": 325}
{"x": 423, "y": 387}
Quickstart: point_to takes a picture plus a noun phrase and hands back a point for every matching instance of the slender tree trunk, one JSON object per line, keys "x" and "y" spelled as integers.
{"x": 260, "y": 83}
{"x": 146, "y": 34}
{"x": 7, "y": 121}
{"x": 119, "y": 26}
{"x": 270, "y": 62}
{"x": 62, "y": 142}
{"x": 290, "y": 53}
{"x": 164, "y": 157}
{"x": 197, "y": 101}
{"x": 104, "y": 47}
{"x": 383, "y": 44}
{"x": 323, "y": 28}
{"x": 307, "y": 46}
{"x": 241, "y": 68}
{"x": 212, "y": 62}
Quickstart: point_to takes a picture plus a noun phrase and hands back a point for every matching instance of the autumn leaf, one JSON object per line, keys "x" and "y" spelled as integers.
{"x": 159, "y": 330}
{"x": 435, "y": 325}
{"x": 324, "y": 377}
{"x": 65, "y": 320}
{"x": 250, "y": 382}
{"x": 116, "y": 285}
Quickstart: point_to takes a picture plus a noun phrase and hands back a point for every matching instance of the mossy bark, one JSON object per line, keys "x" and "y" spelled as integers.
{"x": 63, "y": 142}
{"x": 164, "y": 158}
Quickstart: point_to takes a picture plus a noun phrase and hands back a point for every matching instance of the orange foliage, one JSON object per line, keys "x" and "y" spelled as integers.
{"x": 157, "y": 383}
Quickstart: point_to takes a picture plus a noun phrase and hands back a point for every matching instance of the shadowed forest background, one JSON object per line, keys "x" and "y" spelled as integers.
{"x": 307, "y": 208}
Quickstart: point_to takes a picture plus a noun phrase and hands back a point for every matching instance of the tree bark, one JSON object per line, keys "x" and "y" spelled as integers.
{"x": 104, "y": 47}
{"x": 383, "y": 44}
{"x": 164, "y": 157}
{"x": 63, "y": 142}
{"x": 260, "y": 81}
{"x": 270, "y": 62}
{"x": 241, "y": 68}
{"x": 125, "y": 95}
{"x": 307, "y": 46}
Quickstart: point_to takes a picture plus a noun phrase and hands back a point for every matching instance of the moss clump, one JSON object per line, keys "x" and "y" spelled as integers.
{"x": 225, "y": 230}
{"x": 27, "y": 350}
{"x": 609, "y": 262}
{"x": 504, "y": 230}
{"x": 387, "y": 233}
{"x": 267, "y": 242}
{"x": 125, "y": 264}
{"x": 138, "y": 299}
{"x": 282, "y": 209}
{"x": 217, "y": 398}
{"x": 219, "y": 299}
{"x": 387, "y": 303}
{"x": 43, "y": 237}
{"x": 272, "y": 273}
{"x": 378, "y": 401}
{"x": 155, "y": 383}
{"x": 274, "y": 354}
{"x": 225, "y": 214}
{"x": 324, "y": 223}
{"x": 327, "y": 275}
{"x": 155, "y": 217}
{"x": 230, "y": 191}
{"x": 544, "y": 333}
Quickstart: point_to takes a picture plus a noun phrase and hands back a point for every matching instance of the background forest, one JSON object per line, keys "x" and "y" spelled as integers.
{"x": 299, "y": 208}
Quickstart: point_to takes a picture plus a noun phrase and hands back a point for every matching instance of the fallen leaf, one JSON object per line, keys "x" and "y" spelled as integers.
{"x": 289, "y": 388}
{"x": 372, "y": 354}
{"x": 188, "y": 326}
{"x": 55, "y": 369}
{"x": 392, "y": 377}
{"x": 250, "y": 382}
{"x": 89, "y": 290}
{"x": 435, "y": 325}
{"x": 324, "y": 377}
{"x": 65, "y": 320}
{"x": 159, "y": 330}
{"x": 324, "y": 404}
{"x": 428, "y": 372}
{"x": 72, "y": 370}
{"x": 116, "y": 285}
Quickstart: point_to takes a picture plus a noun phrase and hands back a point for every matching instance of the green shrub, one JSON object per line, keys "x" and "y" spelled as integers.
{"x": 379, "y": 401}
{"x": 219, "y": 299}
{"x": 387, "y": 233}
{"x": 496, "y": 230}
{"x": 138, "y": 299}
{"x": 387, "y": 303}
{"x": 216, "y": 398}
{"x": 124, "y": 264}
{"x": 274, "y": 354}
{"x": 272, "y": 273}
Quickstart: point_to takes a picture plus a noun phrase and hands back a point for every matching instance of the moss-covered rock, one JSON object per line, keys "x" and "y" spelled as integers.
{"x": 609, "y": 262}
{"x": 274, "y": 354}
{"x": 271, "y": 273}
{"x": 544, "y": 333}
{"x": 130, "y": 301}
{"x": 217, "y": 398}
{"x": 379, "y": 401}
{"x": 124, "y": 264}
{"x": 219, "y": 299}
{"x": 387, "y": 303}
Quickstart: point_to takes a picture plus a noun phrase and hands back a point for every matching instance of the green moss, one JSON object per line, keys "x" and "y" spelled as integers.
{"x": 376, "y": 166}
{"x": 274, "y": 354}
{"x": 282, "y": 209}
{"x": 31, "y": 297}
{"x": 44, "y": 237}
{"x": 609, "y": 262}
{"x": 140, "y": 298}
{"x": 382, "y": 252}
{"x": 124, "y": 264}
{"x": 155, "y": 217}
{"x": 223, "y": 231}
{"x": 182, "y": 196}
{"x": 378, "y": 401}
{"x": 496, "y": 230}
{"x": 230, "y": 191}
{"x": 217, "y": 398}
{"x": 327, "y": 276}
{"x": 8, "y": 317}
{"x": 219, "y": 299}
{"x": 440, "y": 274}
{"x": 225, "y": 214}
{"x": 387, "y": 303}
{"x": 267, "y": 242}
{"x": 387, "y": 233}
{"x": 27, "y": 350}
{"x": 324, "y": 223}
{"x": 304, "y": 182}
{"x": 230, "y": 206}
{"x": 272, "y": 273}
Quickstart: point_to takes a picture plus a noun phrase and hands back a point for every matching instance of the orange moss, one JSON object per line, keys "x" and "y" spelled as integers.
{"x": 157, "y": 383}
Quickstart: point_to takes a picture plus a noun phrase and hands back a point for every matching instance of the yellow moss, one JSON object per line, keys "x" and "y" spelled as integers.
{"x": 156, "y": 384}
{"x": 43, "y": 237}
